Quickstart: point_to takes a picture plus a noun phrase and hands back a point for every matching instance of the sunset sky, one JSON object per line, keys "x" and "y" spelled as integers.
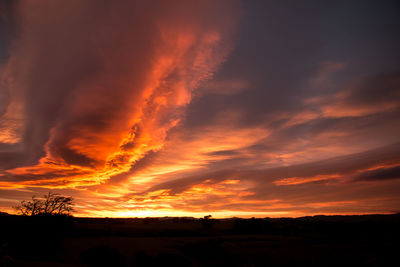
{"x": 189, "y": 108}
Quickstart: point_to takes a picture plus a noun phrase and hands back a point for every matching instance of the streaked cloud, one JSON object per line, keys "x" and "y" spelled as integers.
{"x": 184, "y": 107}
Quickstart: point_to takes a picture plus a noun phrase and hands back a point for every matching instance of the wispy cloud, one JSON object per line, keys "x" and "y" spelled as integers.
{"x": 183, "y": 107}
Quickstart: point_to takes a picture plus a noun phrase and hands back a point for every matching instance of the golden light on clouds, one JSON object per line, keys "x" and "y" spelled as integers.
{"x": 165, "y": 108}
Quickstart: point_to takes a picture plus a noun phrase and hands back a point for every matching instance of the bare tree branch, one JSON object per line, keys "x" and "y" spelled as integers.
{"x": 50, "y": 204}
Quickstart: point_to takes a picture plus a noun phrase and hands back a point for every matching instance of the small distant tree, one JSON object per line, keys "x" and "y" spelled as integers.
{"x": 50, "y": 204}
{"x": 207, "y": 222}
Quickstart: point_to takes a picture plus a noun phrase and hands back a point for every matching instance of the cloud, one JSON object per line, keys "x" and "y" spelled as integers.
{"x": 136, "y": 113}
{"x": 340, "y": 168}
{"x": 100, "y": 98}
{"x": 360, "y": 182}
{"x": 379, "y": 174}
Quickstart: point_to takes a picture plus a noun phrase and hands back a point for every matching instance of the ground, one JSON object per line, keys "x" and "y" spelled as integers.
{"x": 309, "y": 241}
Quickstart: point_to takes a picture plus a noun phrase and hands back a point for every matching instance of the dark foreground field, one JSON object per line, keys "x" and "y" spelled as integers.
{"x": 309, "y": 241}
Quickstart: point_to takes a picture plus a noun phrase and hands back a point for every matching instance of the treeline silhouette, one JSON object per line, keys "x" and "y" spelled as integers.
{"x": 371, "y": 240}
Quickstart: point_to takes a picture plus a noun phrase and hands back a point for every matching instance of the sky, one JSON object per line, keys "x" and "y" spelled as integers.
{"x": 188, "y": 108}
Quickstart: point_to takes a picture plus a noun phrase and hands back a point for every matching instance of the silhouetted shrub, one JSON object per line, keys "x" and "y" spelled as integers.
{"x": 207, "y": 222}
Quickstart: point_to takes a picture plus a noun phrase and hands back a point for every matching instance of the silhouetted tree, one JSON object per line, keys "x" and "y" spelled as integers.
{"x": 207, "y": 222}
{"x": 50, "y": 204}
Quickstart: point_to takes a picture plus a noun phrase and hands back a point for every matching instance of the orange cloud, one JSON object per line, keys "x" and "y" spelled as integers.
{"x": 118, "y": 105}
{"x": 109, "y": 95}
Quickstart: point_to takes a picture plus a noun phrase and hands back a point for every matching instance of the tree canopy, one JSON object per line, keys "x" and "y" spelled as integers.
{"x": 50, "y": 204}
